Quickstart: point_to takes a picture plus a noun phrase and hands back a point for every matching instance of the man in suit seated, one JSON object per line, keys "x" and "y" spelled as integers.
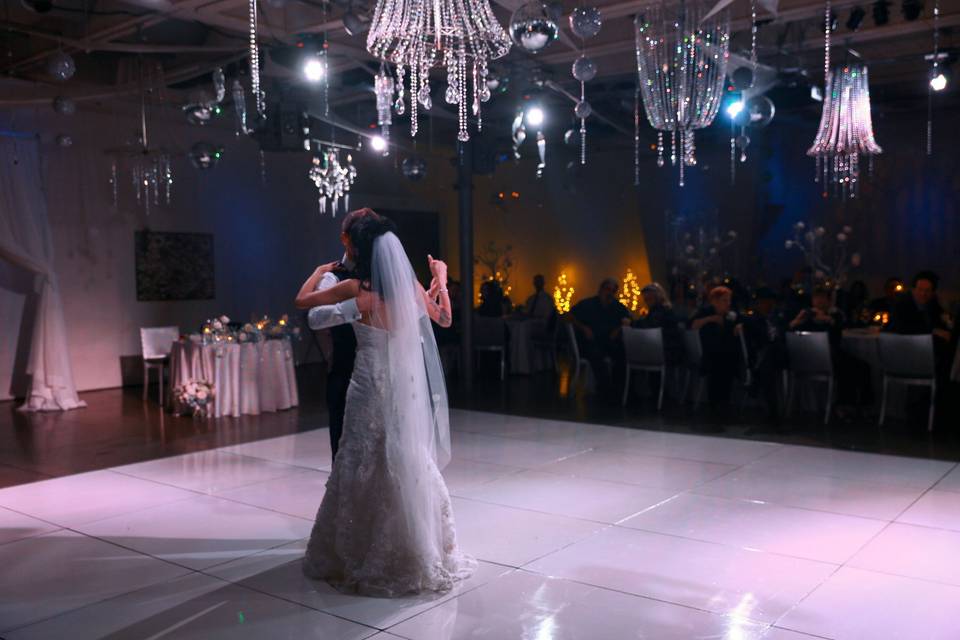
{"x": 599, "y": 323}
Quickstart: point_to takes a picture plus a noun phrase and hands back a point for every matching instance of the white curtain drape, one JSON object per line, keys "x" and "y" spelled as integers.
{"x": 25, "y": 241}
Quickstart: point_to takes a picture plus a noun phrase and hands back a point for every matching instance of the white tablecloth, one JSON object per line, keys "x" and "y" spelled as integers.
{"x": 248, "y": 378}
{"x": 524, "y": 358}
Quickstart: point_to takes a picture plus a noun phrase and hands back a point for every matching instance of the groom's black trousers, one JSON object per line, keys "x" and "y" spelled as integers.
{"x": 338, "y": 380}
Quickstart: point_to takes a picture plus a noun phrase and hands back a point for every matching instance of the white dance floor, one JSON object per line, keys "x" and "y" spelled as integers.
{"x": 583, "y": 532}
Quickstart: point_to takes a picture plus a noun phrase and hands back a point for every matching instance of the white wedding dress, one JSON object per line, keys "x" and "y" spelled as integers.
{"x": 385, "y": 527}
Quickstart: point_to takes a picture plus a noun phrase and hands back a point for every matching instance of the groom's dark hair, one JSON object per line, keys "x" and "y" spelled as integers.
{"x": 354, "y": 216}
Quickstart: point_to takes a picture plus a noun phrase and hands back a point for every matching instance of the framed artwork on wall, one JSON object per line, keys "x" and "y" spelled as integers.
{"x": 174, "y": 266}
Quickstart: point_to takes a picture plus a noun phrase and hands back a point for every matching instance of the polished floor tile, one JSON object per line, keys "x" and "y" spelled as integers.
{"x": 703, "y": 575}
{"x": 207, "y": 471}
{"x": 16, "y": 526}
{"x": 863, "y": 467}
{"x": 462, "y": 475}
{"x": 855, "y": 604}
{"x": 54, "y": 573}
{"x": 823, "y": 493}
{"x": 200, "y": 532}
{"x": 509, "y": 451}
{"x": 298, "y": 495}
{"x": 951, "y": 482}
{"x": 699, "y": 448}
{"x": 939, "y": 509}
{"x": 524, "y": 605}
{"x": 557, "y": 494}
{"x": 646, "y": 471}
{"x": 511, "y": 536}
{"x": 310, "y": 449}
{"x": 87, "y": 497}
{"x": 913, "y": 552}
{"x": 194, "y": 607}
{"x": 801, "y": 533}
{"x": 278, "y": 572}
{"x": 552, "y": 431}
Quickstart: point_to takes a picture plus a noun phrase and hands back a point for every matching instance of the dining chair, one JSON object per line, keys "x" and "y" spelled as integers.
{"x": 490, "y": 335}
{"x": 155, "y": 345}
{"x": 907, "y": 360}
{"x": 644, "y": 352}
{"x": 809, "y": 357}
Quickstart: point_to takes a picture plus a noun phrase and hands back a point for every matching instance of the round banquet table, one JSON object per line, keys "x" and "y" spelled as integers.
{"x": 524, "y": 358}
{"x": 248, "y": 378}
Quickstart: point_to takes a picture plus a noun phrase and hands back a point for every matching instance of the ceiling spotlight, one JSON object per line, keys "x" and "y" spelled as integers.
{"x": 881, "y": 12}
{"x": 534, "y": 116}
{"x": 314, "y": 68}
{"x": 378, "y": 143}
{"x": 856, "y": 18}
{"x": 734, "y": 109}
{"x": 911, "y": 9}
{"x": 939, "y": 81}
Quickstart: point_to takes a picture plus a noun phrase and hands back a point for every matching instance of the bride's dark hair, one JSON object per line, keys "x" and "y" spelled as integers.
{"x": 363, "y": 233}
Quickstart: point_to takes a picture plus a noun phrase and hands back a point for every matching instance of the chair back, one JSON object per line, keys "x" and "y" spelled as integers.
{"x": 644, "y": 347}
{"x": 489, "y": 332}
{"x": 907, "y": 356}
{"x": 156, "y": 342}
{"x": 692, "y": 347}
{"x": 809, "y": 353}
{"x": 572, "y": 340}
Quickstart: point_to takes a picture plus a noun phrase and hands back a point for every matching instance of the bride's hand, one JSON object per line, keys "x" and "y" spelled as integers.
{"x": 439, "y": 270}
{"x": 325, "y": 268}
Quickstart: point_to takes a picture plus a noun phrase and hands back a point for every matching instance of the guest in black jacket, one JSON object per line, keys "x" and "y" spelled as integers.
{"x": 719, "y": 328}
{"x": 767, "y": 348}
{"x": 920, "y": 313}
{"x": 820, "y": 316}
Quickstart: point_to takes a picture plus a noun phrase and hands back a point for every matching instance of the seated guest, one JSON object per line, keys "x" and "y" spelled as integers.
{"x": 767, "y": 348}
{"x": 540, "y": 305}
{"x": 719, "y": 329}
{"x": 599, "y": 321}
{"x": 892, "y": 289}
{"x": 920, "y": 312}
{"x": 660, "y": 315}
{"x": 855, "y": 305}
{"x": 492, "y": 301}
{"x": 820, "y": 316}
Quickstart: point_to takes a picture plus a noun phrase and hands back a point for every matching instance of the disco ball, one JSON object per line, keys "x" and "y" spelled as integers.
{"x": 204, "y": 155}
{"x": 64, "y": 106}
{"x": 532, "y": 27}
{"x": 61, "y": 66}
{"x": 742, "y": 78}
{"x": 414, "y": 168}
{"x": 585, "y": 22}
{"x": 742, "y": 141}
{"x": 760, "y": 110}
{"x": 584, "y": 69}
{"x": 63, "y": 140}
{"x": 583, "y": 109}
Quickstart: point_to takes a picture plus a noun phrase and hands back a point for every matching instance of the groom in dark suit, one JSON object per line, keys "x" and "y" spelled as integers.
{"x": 337, "y": 318}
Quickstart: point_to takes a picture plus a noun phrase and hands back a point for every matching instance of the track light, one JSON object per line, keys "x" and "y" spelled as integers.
{"x": 534, "y": 116}
{"x": 856, "y": 18}
{"x": 378, "y": 143}
{"x": 911, "y": 9}
{"x": 881, "y": 12}
{"x": 734, "y": 109}
{"x": 314, "y": 68}
{"x": 938, "y": 82}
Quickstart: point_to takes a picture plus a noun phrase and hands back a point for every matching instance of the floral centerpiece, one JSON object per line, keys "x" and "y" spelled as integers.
{"x": 217, "y": 330}
{"x": 827, "y": 255}
{"x": 195, "y": 395}
{"x": 268, "y": 329}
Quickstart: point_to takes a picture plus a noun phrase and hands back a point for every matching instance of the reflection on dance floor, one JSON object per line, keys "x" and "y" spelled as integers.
{"x": 583, "y": 531}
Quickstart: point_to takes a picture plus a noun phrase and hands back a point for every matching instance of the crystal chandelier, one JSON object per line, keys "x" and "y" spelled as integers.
{"x": 461, "y": 35}
{"x": 846, "y": 127}
{"x": 846, "y": 131}
{"x": 332, "y": 179}
{"x": 681, "y": 65}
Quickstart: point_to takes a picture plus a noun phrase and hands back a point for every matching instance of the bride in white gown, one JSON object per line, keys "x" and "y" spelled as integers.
{"x": 385, "y": 526}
